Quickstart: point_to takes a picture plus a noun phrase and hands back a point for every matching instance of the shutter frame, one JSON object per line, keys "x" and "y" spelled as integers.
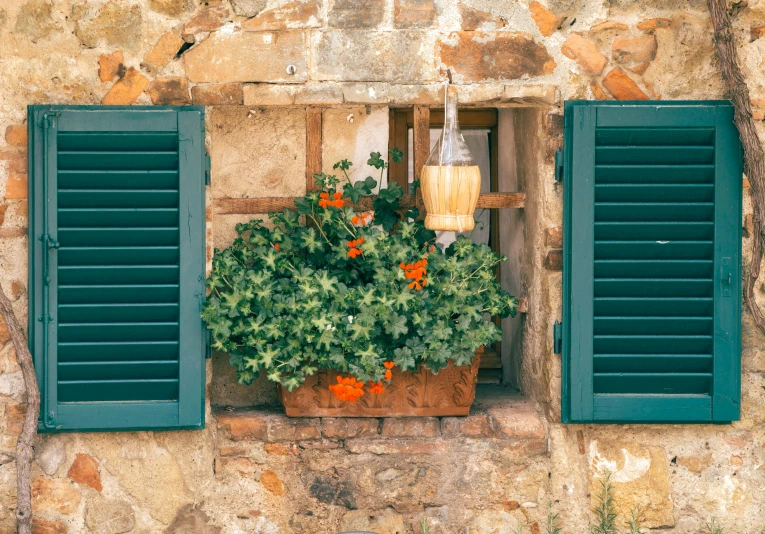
{"x": 579, "y": 402}
{"x": 186, "y": 409}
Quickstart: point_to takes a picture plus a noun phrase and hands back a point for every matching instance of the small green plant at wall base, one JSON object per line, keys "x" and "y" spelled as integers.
{"x": 354, "y": 291}
{"x": 552, "y": 521}
{"x": 634, "y": 523}
{"x": 713, "y": 527}
{"x": 605, "y": 511}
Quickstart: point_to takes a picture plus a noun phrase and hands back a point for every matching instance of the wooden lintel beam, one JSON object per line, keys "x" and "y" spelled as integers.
{"x": 231, "y": 206}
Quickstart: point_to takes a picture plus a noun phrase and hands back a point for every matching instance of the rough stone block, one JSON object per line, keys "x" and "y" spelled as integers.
{"x": 403, "y": 56}
{"x": 627, "y": 49}
{"x": 165, "y": 50}
{"x": 40, "y": 526}
{"x": 356, "y": 14}
{"x": 554, "y": 260}
{"x": 385, "y": 522}
{"x": 15, "y": 160}
{"x": 319, "y": 94}
{"x": 546, "y": 20}
{"x": 169, "y": 91}
{"x": 585, "y": 53}
{"x": 107, "y": 516}
{"x": 517, "y": 422}
{"x": 116, "y": 23}
{"x": 282, "y": 428}
{"x": 54, "y": 495}
{"x": 248, "y": 8}
{"x": 622, "y": 87}
{"x": 220, "y": 59}
{"x": 127, "y": 89}
{"x": 478, "y": 20}
{"x": 489, "y": 56}
{"x": 411, "y": 427}
{"x": 207, "y": 20}
{"x": 282, "y": 449}
{"x": 474, "y": 425}
{"x": 16, "y": 188}
{"x": 16, "y": 135}
{"x": 530, "y": 95}
{"x": 273, "y": 483}
{"x": 266, "y": 94}
{"x": 346, "y": 427}
{"x": 244, "y": 425}
{"x": 239, "y": 139}
{"x": 221, "y": 94}
{"x": 366, "y": 93}
{"x": 414, "y": 13}
{"x": 298, "y": 14}
{"x": 84, "y": 470}
{"x": 14, "y": 418}
{"x": 554, "y": 237}
{"x": 50, "y": 453}
{"x": 111, "y": 66}
{"x": 650, "y": 25}
{"x": 172, "y": 8}
{"x": 236, "y": 466}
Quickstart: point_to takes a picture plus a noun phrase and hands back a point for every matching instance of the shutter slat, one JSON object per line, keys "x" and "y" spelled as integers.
{"x": 654, "y": 192}
{"x": 642, "y": 306}
{"x": 654, "y": 174}
{"x": 117, "y": 198}
{"x": 653, "y": 211}
{"x": 635, "y": 325}
{"x": 654, "y": 344}
{"x": 655, "y": 231}
{"x": 71, "y": 332}
{"x": 116, "y": 370}
{"x": 117, "y": 217}
{"x": 654, "y": 155}
{"x": 115, "y": 294}
{"x": 124, "y": 350}
{"x": 654, "y": 136}
{"x": 118, "y": 179}
{"x": 654, "y": 268}
{"x": 118, "y": 160}
{"x": 653, "y": 250}
{"x": 108, "y": 313}
{"x": 117, "y": 141}
{"x": 117, "y": 255}
{"x": 116, "y": 274}
{"x": 117, "y": 390}
{"x": 135, "y": 237}
{"x": 653, "y": 287}
{"x": 658, "y": 363}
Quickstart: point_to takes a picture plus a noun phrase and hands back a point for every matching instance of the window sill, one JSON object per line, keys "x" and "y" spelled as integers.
{"x": 499, "y": 418}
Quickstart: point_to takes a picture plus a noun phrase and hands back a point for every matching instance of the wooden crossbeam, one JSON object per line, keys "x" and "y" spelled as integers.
{"x": 233, "y": 206}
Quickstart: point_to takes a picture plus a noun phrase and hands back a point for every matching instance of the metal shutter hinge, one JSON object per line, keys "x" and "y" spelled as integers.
{"x": 208, "y": 344}
{"x": 207, "y": 169}
{"x": 559, "y": 165}
{"x": 558, "y": 337}
{"x": 726, "y": 276}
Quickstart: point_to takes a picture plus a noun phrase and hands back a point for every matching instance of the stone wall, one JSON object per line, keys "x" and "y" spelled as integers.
{"x": 252, "y": 470}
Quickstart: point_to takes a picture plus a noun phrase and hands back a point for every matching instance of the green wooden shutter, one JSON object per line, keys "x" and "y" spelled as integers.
{"x": 117, "y": 254}
{"x": 652, "y": 262}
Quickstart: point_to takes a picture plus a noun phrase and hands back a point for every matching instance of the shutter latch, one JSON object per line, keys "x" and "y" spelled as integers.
{"x": 558, "y": 337}
{"x": 559, "y": 165}
{"x": 207, "y": 170}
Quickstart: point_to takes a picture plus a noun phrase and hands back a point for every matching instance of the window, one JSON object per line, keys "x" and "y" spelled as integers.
{"x": 652, "y": 262}
{"x": 117, "y": 229}
{"x": 480, "y": 129}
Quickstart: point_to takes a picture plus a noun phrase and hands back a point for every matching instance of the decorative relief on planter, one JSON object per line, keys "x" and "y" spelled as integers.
{"x": 409, "y": 394}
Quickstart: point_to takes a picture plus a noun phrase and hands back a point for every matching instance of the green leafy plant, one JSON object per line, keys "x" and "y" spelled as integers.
{"x": 552, "y": 521}
{"x": 605, "y": 511}
{"x": 353, "y": 291}
{"x": 634, "y": 523}
{"x": 424, "y": 527}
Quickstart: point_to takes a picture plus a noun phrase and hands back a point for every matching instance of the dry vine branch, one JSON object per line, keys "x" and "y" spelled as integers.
{"x": 24, "y": 447}
{"x": 754, "y": 157}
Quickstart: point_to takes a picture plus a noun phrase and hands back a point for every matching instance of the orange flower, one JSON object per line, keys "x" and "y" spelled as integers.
{"x": 364, "y": 219}
{"x": 388, "y": 365}
{"x": 338, "y": 195}
{"x": 354, "y": 252}
{"x": 324, "y": 195}
{"x": 339, "y": 203}
{"x": 388, "y": 375}
{"x": 347, "y": 389}
{"x": 276, "y": 246}
{"x": 376, "y": 388}
{"x": 415, "y": 272}
{"x": 355, "y": 219}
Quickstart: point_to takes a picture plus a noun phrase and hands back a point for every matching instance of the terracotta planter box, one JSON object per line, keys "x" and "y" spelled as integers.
{"x": 410, "y": 394}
